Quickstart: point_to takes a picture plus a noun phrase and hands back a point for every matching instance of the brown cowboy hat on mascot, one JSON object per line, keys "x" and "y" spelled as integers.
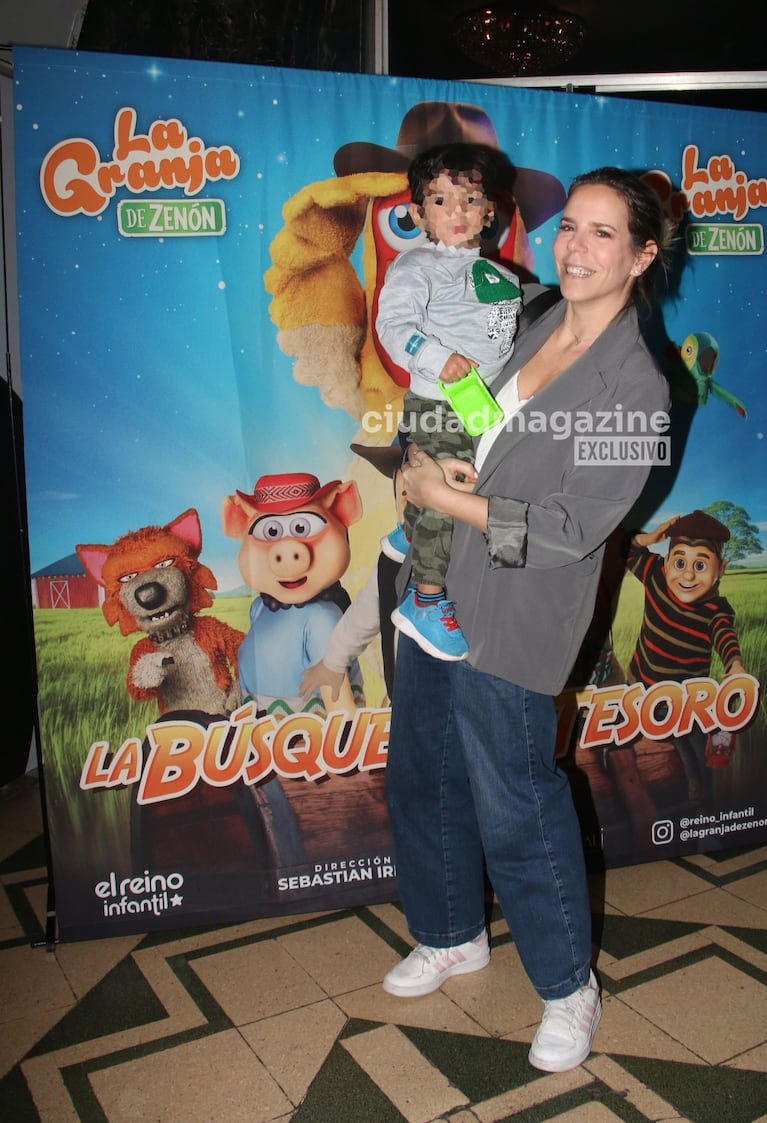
{"x": 538, "y": 195}
{"x": 324, "y": 311}
{"x": 386, "y": 459}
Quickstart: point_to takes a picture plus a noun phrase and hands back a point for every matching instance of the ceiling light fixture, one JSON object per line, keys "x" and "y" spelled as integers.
{"x": 521, "y": 41}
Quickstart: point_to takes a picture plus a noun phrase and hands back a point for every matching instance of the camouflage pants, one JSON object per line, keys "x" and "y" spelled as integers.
{"x": 436, "y": 429}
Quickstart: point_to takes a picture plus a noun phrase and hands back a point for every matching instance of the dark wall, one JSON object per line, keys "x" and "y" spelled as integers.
{"x": 311, "y": 34}
{"x": 18, "y": 675}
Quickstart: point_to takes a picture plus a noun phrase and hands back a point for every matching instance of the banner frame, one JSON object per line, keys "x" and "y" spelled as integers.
{"x": 616, "y": 84}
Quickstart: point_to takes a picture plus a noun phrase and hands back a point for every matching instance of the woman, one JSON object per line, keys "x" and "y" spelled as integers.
{"x": 471, "y": 775}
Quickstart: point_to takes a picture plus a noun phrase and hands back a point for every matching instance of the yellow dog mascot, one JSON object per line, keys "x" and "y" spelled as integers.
{"x": 324, "y": 313}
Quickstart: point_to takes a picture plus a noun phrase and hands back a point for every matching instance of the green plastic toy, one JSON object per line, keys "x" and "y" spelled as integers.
{"x": 473, "y": 402}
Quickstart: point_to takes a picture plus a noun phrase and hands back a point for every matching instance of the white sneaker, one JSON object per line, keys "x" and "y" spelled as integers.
{"x": 426, "y": 969}
{"x": 564, "y": 1036}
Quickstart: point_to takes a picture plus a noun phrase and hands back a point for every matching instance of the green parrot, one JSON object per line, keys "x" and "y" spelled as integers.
{"x": 700, "y": 355}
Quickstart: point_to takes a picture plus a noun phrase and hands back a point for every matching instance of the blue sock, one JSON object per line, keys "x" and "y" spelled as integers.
{"x": 423, "y": 599}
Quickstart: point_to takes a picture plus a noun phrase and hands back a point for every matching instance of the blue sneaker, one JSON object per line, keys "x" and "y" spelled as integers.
{"x": 433, "y": 627}
{"x": 396, "y": 544}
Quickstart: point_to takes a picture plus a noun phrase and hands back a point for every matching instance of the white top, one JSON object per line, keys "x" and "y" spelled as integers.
{"x": 510, "y": 402}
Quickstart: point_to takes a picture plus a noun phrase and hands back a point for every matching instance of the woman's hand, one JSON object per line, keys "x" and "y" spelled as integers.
{"x": 459, "y": 473}
{"x": 432, "y": 483}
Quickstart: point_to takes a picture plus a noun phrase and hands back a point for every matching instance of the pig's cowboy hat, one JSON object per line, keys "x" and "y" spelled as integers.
{"x": 288, "y": 491}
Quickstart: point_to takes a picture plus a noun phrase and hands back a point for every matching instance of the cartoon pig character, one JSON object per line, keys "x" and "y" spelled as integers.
{"x": 294, "y": 550}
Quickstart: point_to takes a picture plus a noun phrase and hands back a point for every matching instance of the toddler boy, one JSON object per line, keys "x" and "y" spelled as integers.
{"x": 444, "y": 309}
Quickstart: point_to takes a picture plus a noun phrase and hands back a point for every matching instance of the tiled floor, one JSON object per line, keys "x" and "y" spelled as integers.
{"x": 285, "y": 1019}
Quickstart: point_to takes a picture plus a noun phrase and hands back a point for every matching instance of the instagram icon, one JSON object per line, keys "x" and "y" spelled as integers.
{"x": 662, "y": 832}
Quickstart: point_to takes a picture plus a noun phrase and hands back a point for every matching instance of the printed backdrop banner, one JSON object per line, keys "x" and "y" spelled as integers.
{"x": 200, "y": 247}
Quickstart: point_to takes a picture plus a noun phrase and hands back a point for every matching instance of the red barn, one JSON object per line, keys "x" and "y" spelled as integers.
{"x": 65, "y": 584}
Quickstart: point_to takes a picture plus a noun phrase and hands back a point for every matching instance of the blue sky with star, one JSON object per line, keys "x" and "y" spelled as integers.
{"x": 151, "y": 376}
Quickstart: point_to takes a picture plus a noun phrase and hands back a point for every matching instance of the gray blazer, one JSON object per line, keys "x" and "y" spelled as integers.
{"x": 525, "y": 592}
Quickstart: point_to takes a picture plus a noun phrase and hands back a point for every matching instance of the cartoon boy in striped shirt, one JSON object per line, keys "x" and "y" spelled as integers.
{"x": 685, "y": 619}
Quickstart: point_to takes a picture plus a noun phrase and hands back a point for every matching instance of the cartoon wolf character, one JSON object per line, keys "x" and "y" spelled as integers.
{"x": 154, "y": 582}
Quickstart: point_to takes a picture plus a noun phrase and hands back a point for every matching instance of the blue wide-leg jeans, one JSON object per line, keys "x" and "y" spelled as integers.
{"x": 471, "y": 781}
